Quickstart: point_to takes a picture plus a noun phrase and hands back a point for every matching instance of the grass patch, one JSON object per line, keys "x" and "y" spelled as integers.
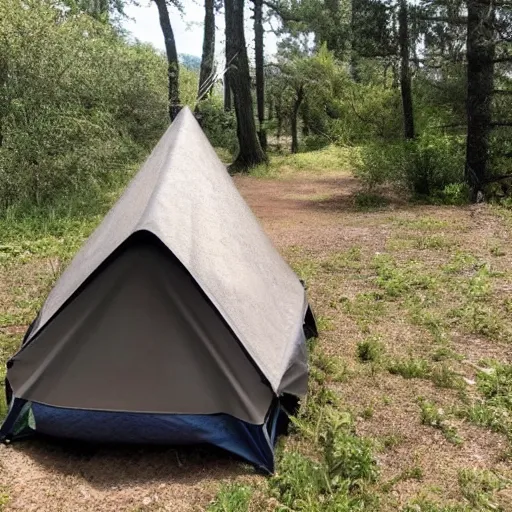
{"x": 435, "y": 417}
{"x": 423, "y": 505}
{"x": 400, "y": 280}
{"x": 326, "y": 368}
{"x": 422, "y": 224}
{"x": 413, "y": 473}
{"x": 338, "y": 261}
{"x": 411, "y": 368}
{"x": 326, "y": 160}
{"x": 232, "y": 498}
{"x": 479, "y": 487}
{"x": 416, "y": 368}
{"x": 444, "y": 377}
{"x": 339, "y": 464}
{"x": 367, "y": 201}
{"x": 370, "y": 349}
{"x": 4, "y": 498}
{"x": 494, "y": 408}
{"x": 365, "y": 308}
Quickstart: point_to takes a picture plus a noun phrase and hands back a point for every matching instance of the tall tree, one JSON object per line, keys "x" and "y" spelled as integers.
{"x": 173, "y": 68}
{"x": 206, "y": 75}
{"x": 227, "y": 86}
{"x": 480, "y": 84}
{"x": 260, "y": 69}
{"x": 405, "y": 70}
{"x": 249, "y": 152}
{"x": 3, "y": 91}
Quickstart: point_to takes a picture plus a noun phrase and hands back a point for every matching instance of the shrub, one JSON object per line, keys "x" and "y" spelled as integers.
{"x": 219, "y": 125}
{"x": 81, "y": 103}
{"x": 432, "y": 164}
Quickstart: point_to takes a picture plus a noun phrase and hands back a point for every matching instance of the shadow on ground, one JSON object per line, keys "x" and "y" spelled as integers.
{"x": 106, "y": 467}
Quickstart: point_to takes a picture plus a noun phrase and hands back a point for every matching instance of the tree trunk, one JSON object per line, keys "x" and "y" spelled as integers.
{"x": 206, "y": 74}
{"x": 354, "y": 58}
{"x": 279, "y": 116}
{"x": 172, "y": 59}
{"x": 305, "y": 119}
{"x": 270, "y": 108}
{"x": 250, "y": 152}
{"x": 227, "y": 94}
{"x": 3, "y": 95}
{"x": 293, "y": 120}
{"x": 260, "y": 74}
{"x": 480, "y": 84}
{"x": 405, "y": 71}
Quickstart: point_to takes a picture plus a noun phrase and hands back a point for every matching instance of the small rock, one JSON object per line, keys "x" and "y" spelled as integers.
{"x": 146, "y": 501}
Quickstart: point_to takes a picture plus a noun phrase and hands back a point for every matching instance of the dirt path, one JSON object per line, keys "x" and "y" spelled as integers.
{"x": 310, "y": 219}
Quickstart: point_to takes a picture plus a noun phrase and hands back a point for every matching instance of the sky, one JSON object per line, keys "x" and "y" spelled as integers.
{"x": 144, "y": 25}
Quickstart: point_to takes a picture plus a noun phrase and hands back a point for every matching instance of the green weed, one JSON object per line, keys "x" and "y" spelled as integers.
{"x": 367, "y": 201}
{"x": 390, "y": 441}
{"x": 365, "y": 308}
{"x": 422, "y": 505}
{"x": 4, "y": 498}
{"x": 497, "y": 251}
{"x": 232, "y": 498}
{"x": 461, "y": 261}
{"x": 433, "y": 416}
{"x": 444, "y": 377}
{"x": 494, "y": 409}
{"x": 370, "y": 349}
{"x": 478, "y": 487}
{"x": 422, "y": 224}
{"x": 432, "y": 242}
{"x": 410, "y": 368}
{"x": 324, "y": 367}
{"x": 444, "y": 353}
{"x": 350, "y": 259}
{"x": 414, "y": 473}
{"x": 399, "y": 280}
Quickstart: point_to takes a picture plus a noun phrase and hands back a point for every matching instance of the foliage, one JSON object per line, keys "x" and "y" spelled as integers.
{"x": 370, "y": 350}
{"x": 432, "y": 164}
{"x": 478, "y": 488}
{"x": 219, "y": 125}
{"x": 80, "y": 103}
{"x": 435, "y": 417}
{"x": 232, "y": 498}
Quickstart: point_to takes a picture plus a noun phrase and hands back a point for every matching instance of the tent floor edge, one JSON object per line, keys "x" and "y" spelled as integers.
{"x": 253, "y": 443}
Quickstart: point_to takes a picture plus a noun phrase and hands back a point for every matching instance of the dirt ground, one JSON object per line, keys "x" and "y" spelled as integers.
{"x": 309, "y": 218}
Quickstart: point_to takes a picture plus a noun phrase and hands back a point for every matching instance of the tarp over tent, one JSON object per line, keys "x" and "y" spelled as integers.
{"x": 176, "y": 322}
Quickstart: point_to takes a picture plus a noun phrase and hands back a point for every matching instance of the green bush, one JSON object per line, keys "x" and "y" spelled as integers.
{"x": 80, "y": 102}
{"x": 429, "y": 165}
{"x": 219, "y": 125}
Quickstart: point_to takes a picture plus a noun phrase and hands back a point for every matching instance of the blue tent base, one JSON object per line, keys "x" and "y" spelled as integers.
{"x": 254, "y": 443}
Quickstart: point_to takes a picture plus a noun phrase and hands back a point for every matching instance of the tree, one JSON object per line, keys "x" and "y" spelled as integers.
{"x": 207, "y": 71}
{"x": 173, "y": 68}
{"x": 405, "y": 70}
{"x": 250, "y": 152}
{"x": 480, "y": 84}
{"x": 260, "y": 71}
{"x": 3, "y": 91}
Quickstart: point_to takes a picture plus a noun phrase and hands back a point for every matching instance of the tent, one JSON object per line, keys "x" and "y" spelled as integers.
{"x": 177, "y": 322}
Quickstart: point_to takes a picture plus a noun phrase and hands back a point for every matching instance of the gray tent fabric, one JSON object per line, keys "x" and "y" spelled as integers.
{"x": 184, "y": 196}
{"x": 150, "y": 322}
